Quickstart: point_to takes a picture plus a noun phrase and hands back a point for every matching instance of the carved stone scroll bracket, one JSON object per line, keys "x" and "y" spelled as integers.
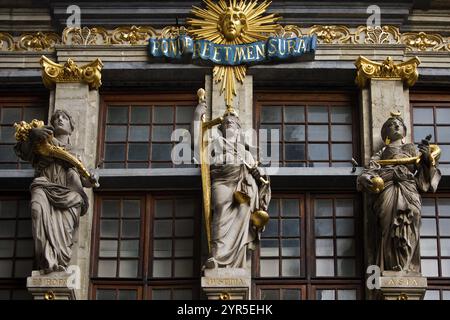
{"x": 368, "y": 69}
{"x": 53, "y": 73}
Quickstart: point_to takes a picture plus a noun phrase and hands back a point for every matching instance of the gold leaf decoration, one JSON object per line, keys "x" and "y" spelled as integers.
{"x": 132, "y": 35}
{"x": 422, "y": 41}
{"x": 288, "y": 31}
{"x": 172, "y": 32}
{"x": 6, "y": 42}
{"x": 53, "y": 73}
{"x": 38, "y": 41}
{"x": 368, "y": 69}
{"x": 331, "y": 34}
{"x": 377, "y": 35}
{"x": 85, "y": 36}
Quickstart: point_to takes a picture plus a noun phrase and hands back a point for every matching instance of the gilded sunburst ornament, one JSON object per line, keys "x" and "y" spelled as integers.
{"x": 231, "y": 22}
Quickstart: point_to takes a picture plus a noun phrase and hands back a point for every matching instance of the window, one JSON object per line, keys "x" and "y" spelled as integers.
{"x": 137, "y": 133}
{"x": 311, "y": 248}
{"x": 15, "y": 109}
{"x": 148, "y": 247}
{"x": 314, "y": 130}
{"x": 16, "y": 247}
{"x": 431, "y": 115}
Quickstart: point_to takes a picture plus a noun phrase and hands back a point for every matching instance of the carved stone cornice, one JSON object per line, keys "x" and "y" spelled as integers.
{"x": 367, "y": 69}
{"x": 53, "y": 73}
{"x": 422, "y": 41}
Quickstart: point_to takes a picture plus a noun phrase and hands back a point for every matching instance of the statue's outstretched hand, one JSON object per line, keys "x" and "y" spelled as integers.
{"x": 41, "y": 134}
{"x": 365, "y": 181}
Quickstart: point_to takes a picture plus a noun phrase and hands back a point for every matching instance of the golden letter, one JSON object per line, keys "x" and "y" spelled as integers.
{"x": 272, "y": 47}
{"x": 260, "y": 51}
{"x": 250, "y": 53}
{"x": 215, "y": 57}
{"x": 240, "y": 53}
{"x": 173, "y": 47}
{"x": 291, "y": 44}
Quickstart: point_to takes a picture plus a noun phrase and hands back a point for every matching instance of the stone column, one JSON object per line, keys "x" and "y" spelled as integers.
{"x": 76, "y": 93}
{"x": 384, "y": 88}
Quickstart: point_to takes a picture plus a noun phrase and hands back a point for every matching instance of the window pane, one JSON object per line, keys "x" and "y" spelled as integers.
{"x": 270, "y": 294}
{"x": 23, "y": 268}
{"x": 431, "y": 295}
{"x": 24, "y": 228}
{"x": 428, "y": 227}
{"x": 10, "y": 115}
{"x": 163, "y": 114}
{"x": 342, "y": 151}
{"x": 107, "y": 268}
{"x": 324, "y": 294}
{"x": 269, "y": 248}
{"x": 7, "y": 154}
{"x": 294, "y": 114}
{"x": 24, "y": 248}
{"x": 138, "y": 151}
{"x": 345, "y": 247}
{"x": 346, "y": 294}
{"x": 317, "y": 114}
{"x": 128, "y": 268}
{"x": 271, "y": 114}
{"x": 127, "y": 294}
{"x": 317, "y": 133}
{"x": 445, "y": 294}
{"x": 184, "y": 248}
{"x": 442, "y": 115}
{"x": 444, "y": 227}
{"x": 344, "y": 207}
{"x": 346, "y": 267}
{"x": 162, "y": 248}
{"x": 162, "y": 268}
{"x": 324, "y": 267}
{"x": 445, "y": 247}
{"x": 290, "y": 268}
{"x": 160, "y": 294}
{"x": 130, "y": 228}
{"x": 289, "y": 208}
{"x": 116, "y": 133}
{"x": 430, "y": 268}
{"x": 182, "y": 294}
{"x": 131, "y": 208}
{"x": 345, "y": 227}
{"x": 290, "y": 248}
{"x": 269, "y": 268}
{"x": 162, "y": 228}
{"x": 428, "y": 207}
{"x": 318, "y": 151}
{"x": 106, "y": 294}
{"x": 110, "y": 208}
{"x": 184, "y": 114}
{"x": 184, "y": 268}
{"x": 323, "y": 227}
{"x": 444, "y": 207}
{"x": 161, "y": 152}
{"x": 109, "y": 228}
{"x": 108, "y": 248}
{"x": 428, "y": 247}
{"x": 271, "y": 228}
{"x": 117, "y": 115}
{"x": 341, "y": 114}
{"x": 445, "y": 267}
{"x": 323, "y": 208}
{"x": 341, "y": 133}
{"x": 291, "y": 294}
{"x": 184, "y": 227}
{"x": 163, "y": 208}
{"x": 185, "y": 208}
{"x": 420, "y": 132}
{"x": 423, "y": 115}
{"x": 290, "y": 228}
{"x": 6, "y": 248}
{"x": 7, "y": 134}
{"x": 324, "y": 247}
{"x": 162, "y": 133}
{"x": 139, "y": 133}
{"x": 129, "y": 249}
{"x": 8, "y": 209}
{"x": 294, "y": 133}
{"x": 443, "y": 134}
{"x": 115, "y": 152}
{"x": 294, "y": 151}
{"x": 140, "y": 114}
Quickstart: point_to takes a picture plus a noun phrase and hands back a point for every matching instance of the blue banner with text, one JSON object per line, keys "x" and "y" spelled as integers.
{"x": 232, "y": 55}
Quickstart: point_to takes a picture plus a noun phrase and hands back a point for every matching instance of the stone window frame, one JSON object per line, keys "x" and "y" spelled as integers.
{"x": 145, "y": 282}
{"x": 22, "y": 101}
{"x": 169, "y": 99}
{"x": 311, "y": 99}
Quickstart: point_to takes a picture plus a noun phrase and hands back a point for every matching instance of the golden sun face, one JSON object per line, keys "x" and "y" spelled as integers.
{"x": 232, "y": 22}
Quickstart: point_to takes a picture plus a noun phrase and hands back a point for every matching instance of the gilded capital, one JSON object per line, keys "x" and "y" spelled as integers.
{"x": 53, "y": 73}
{"x": 368, "y": 69}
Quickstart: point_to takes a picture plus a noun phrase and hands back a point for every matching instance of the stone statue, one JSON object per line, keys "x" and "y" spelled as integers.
{"x": 57, "y": 196}
{"x": 240, "y": 198}
{"x": 394, "y": 177}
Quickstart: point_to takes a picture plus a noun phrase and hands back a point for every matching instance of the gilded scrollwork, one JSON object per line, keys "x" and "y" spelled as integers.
{"x": 6, "y": 42}
{"x": 377, "y": 35}
{"x": 53, "y": 73}
{"x": 172, "y": 32}
{"x": 288, "y": 31}
{"x": 38, "y": 41}
{"x": 368, "y": 69}
{"x": 422, "y": 41}
{"x": 132, "y": 35}
{"x": 331, "y": 34}
{"x": 85, "y": 36}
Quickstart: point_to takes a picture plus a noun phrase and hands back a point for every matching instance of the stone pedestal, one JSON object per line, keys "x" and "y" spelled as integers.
{"x": 53, "y": 286}
{"x": 227, "y": 284}
{"x": 395, "y": 286}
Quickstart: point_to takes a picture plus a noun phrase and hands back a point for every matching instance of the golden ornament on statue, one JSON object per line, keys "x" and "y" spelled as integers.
{"x": 259, "y": 218}
{"x": 377, "y": 184}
